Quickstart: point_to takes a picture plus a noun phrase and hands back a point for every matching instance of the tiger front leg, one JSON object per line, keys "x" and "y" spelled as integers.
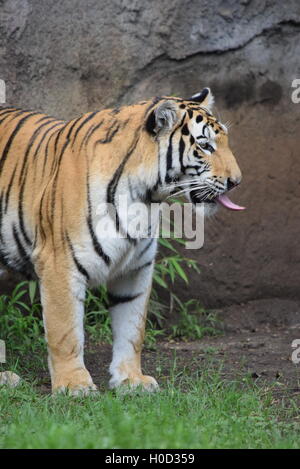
{"x": 129, "y": 298}
{"x": 62, "y": 295}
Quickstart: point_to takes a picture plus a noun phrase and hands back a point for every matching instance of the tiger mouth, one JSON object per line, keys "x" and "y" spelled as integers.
{"x": 196, "y": 199}
{"x": 222, "y": 199}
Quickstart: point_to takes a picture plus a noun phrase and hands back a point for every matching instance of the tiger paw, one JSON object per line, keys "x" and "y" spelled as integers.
{"x": 74, "y": 383}
{"x": 78, "y": 391}
{"x": 134, "y": 382}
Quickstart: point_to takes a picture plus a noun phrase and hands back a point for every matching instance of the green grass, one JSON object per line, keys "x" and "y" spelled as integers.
{"x": 189, "y": 412}
{"x": 192, "y": 410}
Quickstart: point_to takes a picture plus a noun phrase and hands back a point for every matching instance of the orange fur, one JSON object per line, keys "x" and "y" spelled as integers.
{"x": 49, "y": 170}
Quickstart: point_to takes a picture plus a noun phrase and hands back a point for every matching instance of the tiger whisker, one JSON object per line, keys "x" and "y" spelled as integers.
{"x": 190, "y": 183}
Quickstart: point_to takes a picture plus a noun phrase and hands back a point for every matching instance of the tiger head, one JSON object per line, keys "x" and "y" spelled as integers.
{"x": 195, "y": 159}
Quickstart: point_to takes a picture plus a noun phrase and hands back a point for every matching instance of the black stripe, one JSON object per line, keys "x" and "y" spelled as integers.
{"x": 44, "y": 137}
{"x": 46, "y": 155}
{"x": 9, "y": 188}
{"x": 90, "y": 133}
{"x": 141, "y": 267}
{"x": 182, "y": 121}
{"x": 56, "y": 142}
{"x": 185, "y": 130}
{"x": 96, "y": 245}
{"x": 22, "y": 252}
{"x": 117, "y": 299}
{"x": 54, "y": 187}
{"x": 72, "y": 127}
{"x": 146, "y": 248}
{"x": 88, "y": 118}
{"x": 130, "y": 189}
{"x": 31, "y": 143}
{"x": 41, "y": 217}
{"x": 62, "y": 221}
{"x": 170, "y": 157}
{"x": 79, "y": 266}
{"x": 110, "y": 134}
{"x": 3, "y": 258}
{"x": 46, "y": 151}
{"x": 12, "y": 137}
{"x": 6, "y": 108}
{"x": 170, "y": 150}
{"x": 125, "y": 122}
{"x": 35, "y": 238}
{"x": 113, "y": 184}
{"x": 23, "y": 174}
{"x": 181, "y": 152}
{"x": 6, "y": 114}
{"x": 203, "y": 130}
{"x": 21, "y": 212}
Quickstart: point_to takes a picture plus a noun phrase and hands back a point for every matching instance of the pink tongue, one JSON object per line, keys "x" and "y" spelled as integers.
{"x": 226, "y": 202}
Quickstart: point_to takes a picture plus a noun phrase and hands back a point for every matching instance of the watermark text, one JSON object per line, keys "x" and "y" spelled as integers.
{"x": 2, "y": 352}
{"x": 296, "y": 352}
{"x": 2, "y": 92}
{"x": 295, "y": 96}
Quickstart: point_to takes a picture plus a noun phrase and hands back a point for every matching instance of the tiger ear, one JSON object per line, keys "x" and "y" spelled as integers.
{"x": 205, "y": 98}
{"x": 162, "y": 118}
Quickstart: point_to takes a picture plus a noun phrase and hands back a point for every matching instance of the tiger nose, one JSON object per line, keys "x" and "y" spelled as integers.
{"x": 232, "y": 182}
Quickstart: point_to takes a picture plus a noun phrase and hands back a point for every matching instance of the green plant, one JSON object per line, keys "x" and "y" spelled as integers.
{"x": 97, "y": 318}
{"x": 194, "y": 321}
{"x": 152, "y": 333}
{"x": 169, "y": 268}
{"x": 21, "y": 321}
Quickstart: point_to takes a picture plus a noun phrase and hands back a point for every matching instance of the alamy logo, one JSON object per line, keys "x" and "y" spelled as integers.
{"x": 2, "y": 92}
{"x": 296, "y": 352}
{"x": 2, "y": 352}
{"x": 296, "y": 93}
{"x": 138, "y": 220}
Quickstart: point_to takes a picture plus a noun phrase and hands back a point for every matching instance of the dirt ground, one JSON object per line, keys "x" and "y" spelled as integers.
{"x": 255, "y": 341}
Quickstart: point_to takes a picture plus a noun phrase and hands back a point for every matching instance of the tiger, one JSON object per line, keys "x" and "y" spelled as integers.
{"x": 53, "y": 176}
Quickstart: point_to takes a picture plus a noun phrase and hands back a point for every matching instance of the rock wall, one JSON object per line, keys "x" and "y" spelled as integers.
{"x": 67, "y": 57}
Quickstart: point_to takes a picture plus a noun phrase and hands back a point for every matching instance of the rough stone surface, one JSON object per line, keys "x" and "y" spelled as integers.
{"x": 69, "y": 57}
{"x": 9, "y": 378}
